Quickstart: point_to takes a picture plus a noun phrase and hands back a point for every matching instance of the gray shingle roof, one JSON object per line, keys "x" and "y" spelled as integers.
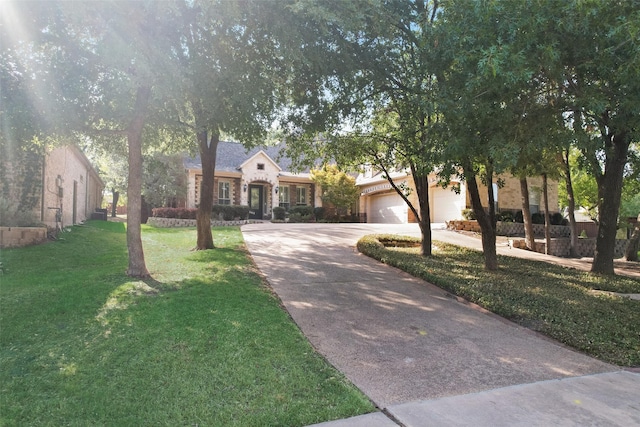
{"x": 231, "y": 155}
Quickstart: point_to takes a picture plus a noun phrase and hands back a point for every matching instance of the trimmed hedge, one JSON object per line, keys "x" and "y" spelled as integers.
{"x": 279, "y": 213}
{"x": 231, "y": 212}
{"x": 180, "y": 213}
{"x": 301, "y": 210}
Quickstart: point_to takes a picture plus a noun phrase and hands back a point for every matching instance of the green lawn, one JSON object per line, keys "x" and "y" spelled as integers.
{"x": 556, "y": 301}
{"x": 205, "y": 343}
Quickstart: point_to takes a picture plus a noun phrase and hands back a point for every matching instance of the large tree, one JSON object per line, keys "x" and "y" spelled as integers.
{"x": 242, "y": 62}
{"x": 594, "y": 61}
{"x": 380, "y": 110}
{"x": 574, "y": 58}
{"x": 105, "y": 66}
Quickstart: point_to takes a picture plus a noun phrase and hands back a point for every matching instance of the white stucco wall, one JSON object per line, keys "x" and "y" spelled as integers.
{"x": 268, "y": 175}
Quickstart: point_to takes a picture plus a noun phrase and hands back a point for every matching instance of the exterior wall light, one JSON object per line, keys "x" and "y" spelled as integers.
{"x": 245, "y": 188}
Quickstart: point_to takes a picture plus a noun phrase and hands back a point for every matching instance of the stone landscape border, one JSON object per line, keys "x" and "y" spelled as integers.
{"x": 560, "y": 238}
{"x": 178, "y": 222}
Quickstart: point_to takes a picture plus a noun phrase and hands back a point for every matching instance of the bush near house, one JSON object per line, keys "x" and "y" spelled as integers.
{"x": 230, "y": 212}
{"x": 319, "y": 213}
{"x": 301, "y": 214}
{"x": 279, "y": 213}
{"x": 180, "y": 213}
{"x": 468, "y": 214}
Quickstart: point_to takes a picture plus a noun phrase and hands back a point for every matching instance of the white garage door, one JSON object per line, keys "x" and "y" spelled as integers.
{"x": 388, "y": 209}
{"x": 446, "y": 205}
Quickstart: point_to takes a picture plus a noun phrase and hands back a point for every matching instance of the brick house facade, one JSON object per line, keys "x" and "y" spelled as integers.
{"x": 259, "y": 178}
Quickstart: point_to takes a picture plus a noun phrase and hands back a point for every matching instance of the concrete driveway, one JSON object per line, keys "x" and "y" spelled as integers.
{"x": 398, "y": 338}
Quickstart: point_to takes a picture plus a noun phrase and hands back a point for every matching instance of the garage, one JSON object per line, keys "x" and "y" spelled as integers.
{"x": 388, "y": 208}
{"x": 446, "y": 205}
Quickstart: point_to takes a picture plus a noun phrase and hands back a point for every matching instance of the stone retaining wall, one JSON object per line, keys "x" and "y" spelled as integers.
{"x": 510, "y": 228}
{"x": 561, "y": 247}
{"x": 177, "y": 222}
{"x": 15, "y": 237}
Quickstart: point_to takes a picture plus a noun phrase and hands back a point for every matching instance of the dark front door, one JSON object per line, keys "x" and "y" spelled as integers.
{"x": 255, "y": 202}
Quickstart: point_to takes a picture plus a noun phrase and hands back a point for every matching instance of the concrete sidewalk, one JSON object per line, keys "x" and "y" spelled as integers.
{"x": 413, "y": 349}
{"x": 610, "y": 399}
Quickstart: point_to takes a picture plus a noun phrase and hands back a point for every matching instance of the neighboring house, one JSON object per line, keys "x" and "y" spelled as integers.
{"x": 36, "y": 187}
{"x": 382, "y": 204}
{"x": 69, "y": 183}
{"x": 259, "y": 178}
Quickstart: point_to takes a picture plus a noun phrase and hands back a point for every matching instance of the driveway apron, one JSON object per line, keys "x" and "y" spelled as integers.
{"x": 399, "y": 339}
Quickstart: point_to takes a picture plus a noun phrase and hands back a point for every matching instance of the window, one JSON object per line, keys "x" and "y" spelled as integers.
{"x": 284, "y": 196}
{"x": 224, "y": 193}
{"x": 534, "y": 200}
{"x": 260, "y": 166}
{"x": 302, "y": 196}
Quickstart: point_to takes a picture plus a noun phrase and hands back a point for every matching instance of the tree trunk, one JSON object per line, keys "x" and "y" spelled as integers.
{"x": 208, "y": 148}
{"x": 529, "y": 236}
{"x": 114, "y": 202}
{"x": 424, "y": 219}
{"x": 609, "y": 195}
{"x": 547, "y": 217}
{"x": 486, "y": 224}
{"x": 631, "y": 254}
{"x": 573, "y": 252}
{"x": 137, "y": 266}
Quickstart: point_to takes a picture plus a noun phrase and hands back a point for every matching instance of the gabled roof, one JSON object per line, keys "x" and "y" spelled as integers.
{"x": 231, "y": 155}
{"x": 263, "y": 154}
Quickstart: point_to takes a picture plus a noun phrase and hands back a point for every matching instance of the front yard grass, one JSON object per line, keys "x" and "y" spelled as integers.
{"x": 558, "y": 302}
{"x": 205, "y": 343}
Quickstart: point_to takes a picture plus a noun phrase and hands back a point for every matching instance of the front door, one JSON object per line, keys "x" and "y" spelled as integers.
{"x": 255, "y": 202}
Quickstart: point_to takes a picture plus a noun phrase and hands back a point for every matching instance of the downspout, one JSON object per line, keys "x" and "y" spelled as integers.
{"x": 42, "y": 187}
{"x": 86, "y": 196}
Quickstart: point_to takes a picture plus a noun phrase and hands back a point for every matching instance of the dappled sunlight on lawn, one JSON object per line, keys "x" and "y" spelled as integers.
{"x": 123, "y": 296}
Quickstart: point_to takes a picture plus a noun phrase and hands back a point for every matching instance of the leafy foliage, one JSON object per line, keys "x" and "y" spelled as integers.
{"x": 163, "y": 179}
{"x": 338, "y": 188}
{"x": 182, "y": 213}
{"x": 230, "y": 212}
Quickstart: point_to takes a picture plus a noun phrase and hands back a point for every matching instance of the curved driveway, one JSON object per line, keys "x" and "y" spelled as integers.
{"x": 398, "y": 338}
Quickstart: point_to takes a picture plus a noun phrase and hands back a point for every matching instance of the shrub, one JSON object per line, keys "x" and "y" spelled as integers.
{"x": 468, "y": 214}
{"x": 296, "y": 217}
{"x": 278, "y": 213}
{"x": 537, "y": 218}
{"x": 518, "y": 217}
{"x": 230, "y": 212}
{"x": 557, "y": 219}
{"x": 319, "y": 213}
{"x": 181, "y": 213}
{"x": 506, "y": 216}
{"x": 301, "y": 210}
{"x": 184, "y": 213}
